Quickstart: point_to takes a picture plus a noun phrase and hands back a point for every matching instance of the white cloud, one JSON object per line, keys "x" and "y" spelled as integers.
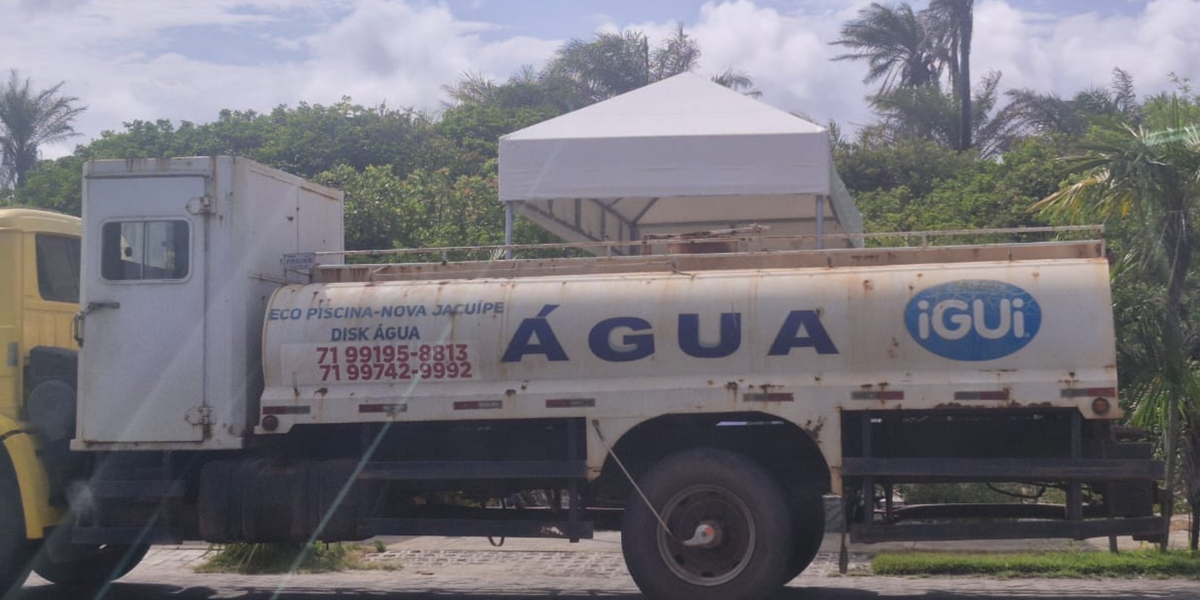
{"x": 1080, "y": 51}
{"x": 117, "y": 57}
{"x": 163, "y": 59}
{"x": 406, "y": 53}
{"x": 789, "y": 56}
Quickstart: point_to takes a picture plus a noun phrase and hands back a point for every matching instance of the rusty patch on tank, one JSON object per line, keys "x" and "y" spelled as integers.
{"x": 814, "y": 429}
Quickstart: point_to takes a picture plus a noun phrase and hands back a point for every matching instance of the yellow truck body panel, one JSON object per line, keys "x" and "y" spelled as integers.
{"x": 37, "y": 303}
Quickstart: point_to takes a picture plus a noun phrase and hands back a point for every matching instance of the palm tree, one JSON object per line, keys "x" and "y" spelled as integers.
{"x": 952, "y": 22}
{"x": 896, "y": 44}
{"x": 1156, "y": 391}
{"x": 676, "y": 54}
{"x": 928, "y": 113}
{"x": 609, "y": 65}
{"x": 1030, "y": 112}
{"x": 473, "y": 88}
{"x": 1151, "y": 179}
{"x": 908, "y": 50}
{"x": 738, "y": 81}
{"x": 585, "y": 72}
{"x": 614, "y": 63}
{"x": 28, "y": 120}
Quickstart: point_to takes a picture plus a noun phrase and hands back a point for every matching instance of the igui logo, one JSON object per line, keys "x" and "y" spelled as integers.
{"x": 973, "y": 319}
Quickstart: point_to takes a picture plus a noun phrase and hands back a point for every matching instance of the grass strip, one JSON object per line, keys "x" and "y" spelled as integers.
{"x": 1082, "y": 564}
{"x": 280, "y": 558}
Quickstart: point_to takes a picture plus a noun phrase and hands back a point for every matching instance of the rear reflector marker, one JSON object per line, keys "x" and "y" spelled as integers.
{"x": 983, "y": 395}
{"x": 880, "y": 395}
{"x": 478, "y": 404}
{"x": 571, "y": 403}
{"x": 1089, "y": 392}
{"x": 769, "y": 397}
{"x": 382, "y": 408}
{"x": 286, "y": 410}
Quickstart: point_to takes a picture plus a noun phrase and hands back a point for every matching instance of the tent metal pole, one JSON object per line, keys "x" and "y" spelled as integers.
{"x": 820, "y": 222}
{"x": 508, "y": 230}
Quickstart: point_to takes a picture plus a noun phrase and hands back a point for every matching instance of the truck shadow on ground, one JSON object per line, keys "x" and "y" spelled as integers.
{"x": 144, "y": 591}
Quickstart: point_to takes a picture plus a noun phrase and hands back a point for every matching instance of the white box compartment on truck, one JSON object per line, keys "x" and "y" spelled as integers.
{"x": 180, "y": 257}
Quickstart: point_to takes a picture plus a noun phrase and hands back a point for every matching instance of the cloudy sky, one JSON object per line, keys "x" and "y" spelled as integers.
{"x": 187, "y": 59}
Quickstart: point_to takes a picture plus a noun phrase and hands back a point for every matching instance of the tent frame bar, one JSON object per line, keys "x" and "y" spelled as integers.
{"x": 508, "y": 230}
{"x": 820, "y": 212}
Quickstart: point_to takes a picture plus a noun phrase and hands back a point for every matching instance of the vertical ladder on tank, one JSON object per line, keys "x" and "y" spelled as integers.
{"x": 566, "y": 473}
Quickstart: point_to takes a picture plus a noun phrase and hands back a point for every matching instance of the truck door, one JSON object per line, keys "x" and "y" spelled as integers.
{"x": 143, "y": 300}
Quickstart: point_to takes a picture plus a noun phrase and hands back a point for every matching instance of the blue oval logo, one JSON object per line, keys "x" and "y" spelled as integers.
{"x": 973, "y": 319}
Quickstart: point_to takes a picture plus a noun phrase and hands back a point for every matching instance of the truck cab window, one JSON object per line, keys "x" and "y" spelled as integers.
{"x": 145, "y": 250}
{"x": 58, "y": 267}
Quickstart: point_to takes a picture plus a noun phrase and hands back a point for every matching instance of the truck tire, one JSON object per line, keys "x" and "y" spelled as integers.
{"x": 15, "y": 549}
{"x": 79, "y": 565}
{"x": 750, "y": 549}
{"x": 808, "y": 531}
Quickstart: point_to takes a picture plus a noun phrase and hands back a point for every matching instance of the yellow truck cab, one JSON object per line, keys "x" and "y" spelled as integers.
{"x": 39, "y": 296}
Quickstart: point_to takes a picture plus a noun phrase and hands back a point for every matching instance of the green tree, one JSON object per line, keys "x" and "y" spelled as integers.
{"x": 1152, "y": 181}
{"x": 28, "y": 120}
{"x": 475, "y": 129}
{"x": 916, "y": 185}
{"x": 1030, "y": 112}
{"x": 929, "y": 113}
{"x": 427, "y": 208}
{"x": 585, "y": 72}
{"x": 312, "y": 138}
{"x": 55, "y": 185}
{"x": 606, "y": 66}
{"x": 1172, "y": 109}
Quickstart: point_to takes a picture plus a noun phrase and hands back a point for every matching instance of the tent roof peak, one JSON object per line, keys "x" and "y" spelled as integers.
{"x": 683, "y": 105}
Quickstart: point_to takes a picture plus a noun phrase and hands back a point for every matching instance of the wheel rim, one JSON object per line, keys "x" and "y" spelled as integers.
{"x": 730, "y": 549}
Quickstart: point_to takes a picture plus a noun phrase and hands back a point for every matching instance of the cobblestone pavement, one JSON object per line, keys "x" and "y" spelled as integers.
{"x": 429, "y": 573}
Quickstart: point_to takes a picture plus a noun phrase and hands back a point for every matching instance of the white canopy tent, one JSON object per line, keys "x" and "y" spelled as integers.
{"x": 678, "y": 156}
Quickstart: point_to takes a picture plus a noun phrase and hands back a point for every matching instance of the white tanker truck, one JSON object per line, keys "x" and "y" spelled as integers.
{"x": 237, "y": 382}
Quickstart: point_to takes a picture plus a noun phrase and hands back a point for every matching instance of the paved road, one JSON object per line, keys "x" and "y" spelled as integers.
{"x": 437, "y": 570}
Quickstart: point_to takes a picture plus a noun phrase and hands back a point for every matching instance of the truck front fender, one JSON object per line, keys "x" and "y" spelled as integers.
{"x": 34, "y": 483}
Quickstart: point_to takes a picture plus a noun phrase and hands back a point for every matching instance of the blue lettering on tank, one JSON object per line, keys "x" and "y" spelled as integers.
{"x": 807, "y": 322}
{"x": 729, "y": 341}
{"x": 535, "y": 336}
{"x": 633, "y": 346}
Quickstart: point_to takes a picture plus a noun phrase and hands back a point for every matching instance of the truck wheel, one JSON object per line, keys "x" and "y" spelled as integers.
{"x": 80, "y": 565}
{"x": 15, "y": 550}
{"x": 808, "y": 531}
{"x": 733, "y": 511}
